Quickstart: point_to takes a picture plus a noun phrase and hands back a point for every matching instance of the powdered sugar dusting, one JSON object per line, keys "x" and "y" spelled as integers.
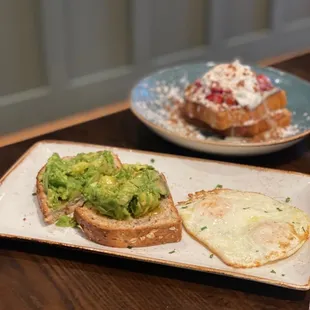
{"x": 175, "y": 94}
{"x": 288, "y": 131}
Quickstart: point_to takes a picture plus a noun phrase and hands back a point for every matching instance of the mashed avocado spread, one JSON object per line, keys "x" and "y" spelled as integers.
{"x": 130, "y": 191}
{"x": 64, "y": 179}
{"x": 133, "y": 191}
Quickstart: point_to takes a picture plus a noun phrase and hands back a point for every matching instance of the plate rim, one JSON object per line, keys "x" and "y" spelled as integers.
{"x": 170, "y": 263}
{"x": 217, "y": 143}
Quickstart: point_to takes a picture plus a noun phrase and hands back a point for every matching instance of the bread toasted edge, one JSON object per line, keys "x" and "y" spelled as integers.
{"x": 280, "y": 119}
{"x": 50, "y": 216}
{"x": 122, "y": 237}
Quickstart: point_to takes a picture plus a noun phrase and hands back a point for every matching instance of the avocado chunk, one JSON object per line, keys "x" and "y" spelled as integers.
{"x": 133, "y": 191}
{"x": 105, "y": 196}
{"x": 64, "y": 179}
{"x": 66, "y": 221}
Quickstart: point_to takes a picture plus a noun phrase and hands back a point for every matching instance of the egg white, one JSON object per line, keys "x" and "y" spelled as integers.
{"x": 244, "y": 229}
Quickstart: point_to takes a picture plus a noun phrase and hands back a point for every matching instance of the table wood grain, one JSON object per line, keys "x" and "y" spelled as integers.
{"x": 36, "y": 276}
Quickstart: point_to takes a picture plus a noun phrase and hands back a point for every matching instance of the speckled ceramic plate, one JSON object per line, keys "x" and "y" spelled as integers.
{"x": 150, "y": 99}
{"x": 20, "y": 217}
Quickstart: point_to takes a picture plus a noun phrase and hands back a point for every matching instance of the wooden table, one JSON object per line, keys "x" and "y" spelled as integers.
{"x": 34, "y": 276}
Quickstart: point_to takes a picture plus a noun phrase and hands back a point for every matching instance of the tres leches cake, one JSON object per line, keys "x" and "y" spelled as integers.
{"x": 232, "y": 100}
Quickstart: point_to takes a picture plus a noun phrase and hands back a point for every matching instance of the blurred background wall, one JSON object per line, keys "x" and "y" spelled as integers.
{"x": 59, "y": 57}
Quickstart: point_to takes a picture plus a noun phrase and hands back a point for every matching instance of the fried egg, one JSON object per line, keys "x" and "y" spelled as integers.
{"x": 244, "y": 229}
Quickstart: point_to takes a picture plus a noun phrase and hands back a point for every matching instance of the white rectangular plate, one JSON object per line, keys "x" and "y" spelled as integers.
{"x": 20, "y": 218}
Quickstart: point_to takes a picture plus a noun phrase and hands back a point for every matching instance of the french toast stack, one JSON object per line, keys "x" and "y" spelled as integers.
{"x": 234, "y": 101}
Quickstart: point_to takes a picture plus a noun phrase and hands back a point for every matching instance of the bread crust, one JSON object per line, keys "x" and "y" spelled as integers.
{"x": 225, "y": 119}
{"x": 50, "y": 216}
{"x": 127, "y": 237}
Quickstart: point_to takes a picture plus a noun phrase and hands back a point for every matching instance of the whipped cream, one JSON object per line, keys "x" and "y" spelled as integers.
{"x": 237, "y": 78}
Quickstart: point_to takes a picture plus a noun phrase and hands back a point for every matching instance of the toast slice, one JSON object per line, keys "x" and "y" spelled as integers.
{"x": 223, "y": 119}
{"x": 275, "y": 134}
{"x": 161, "y": 226}
{"x": 279, "y": 118}
{"x": 50, "y": 215}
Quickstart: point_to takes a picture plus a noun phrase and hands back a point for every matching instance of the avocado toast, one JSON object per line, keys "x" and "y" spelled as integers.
{"x": 118, "y": 205}
{"x": 60, "y": 182}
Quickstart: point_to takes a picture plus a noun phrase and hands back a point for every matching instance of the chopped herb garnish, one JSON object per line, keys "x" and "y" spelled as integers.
{"x": 272, "y": 271}
{"x": 245, "y": 208}
{"x": 184, "y": 207}
{"x": 279, "y": 209}
{"x": 203, "y": 228}
{"x": 171, "y": 252}
{"x": 266, "y": 211}
{"x": 257, "y": 251}
{"x": 152, "y": 160}
{"x": 303, "y": 229}
{"x": 219, "y": 186}
{"x": 282, "y": 274}
{"x": 190, "y": 178}
{"x": 211, "y": 255}
{"x": 129, "y": 247}
{"x": 288, "y": 199}
{"x": 34, "y": 194}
